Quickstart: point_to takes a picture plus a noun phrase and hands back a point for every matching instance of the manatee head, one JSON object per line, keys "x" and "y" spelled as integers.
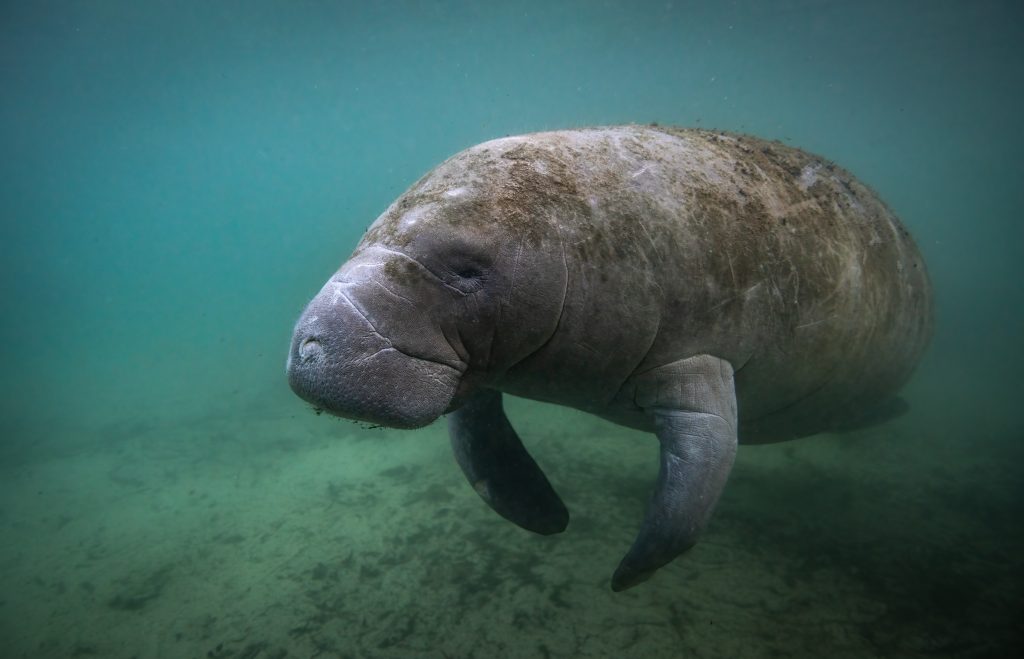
{"x": 461, "y": 278}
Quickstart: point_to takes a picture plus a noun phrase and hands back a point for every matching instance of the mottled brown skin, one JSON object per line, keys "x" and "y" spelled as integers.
{"x": 639, "y": 273}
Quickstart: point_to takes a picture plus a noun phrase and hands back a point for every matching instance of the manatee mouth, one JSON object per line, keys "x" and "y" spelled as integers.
{"x": 388, "y": 388}
{"x": 342, "y": 365}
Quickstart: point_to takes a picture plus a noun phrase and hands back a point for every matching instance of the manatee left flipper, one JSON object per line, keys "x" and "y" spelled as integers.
{"x": 693, "y": 405}
{"x": 498, "y": 467}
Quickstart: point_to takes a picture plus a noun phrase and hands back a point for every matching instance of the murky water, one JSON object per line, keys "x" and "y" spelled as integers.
{"x": 180, "y": 179}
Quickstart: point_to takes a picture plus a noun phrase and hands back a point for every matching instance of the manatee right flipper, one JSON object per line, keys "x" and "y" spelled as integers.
{"x": 500, "y": 470}
{"x": 693, "y": 405}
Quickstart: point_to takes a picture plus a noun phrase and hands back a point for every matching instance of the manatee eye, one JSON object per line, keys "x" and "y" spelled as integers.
{"x": 468, "y": 277}
{"x": 467, "y": 270}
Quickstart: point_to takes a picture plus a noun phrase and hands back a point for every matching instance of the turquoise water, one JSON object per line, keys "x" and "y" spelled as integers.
{"x": 182, "y": 177}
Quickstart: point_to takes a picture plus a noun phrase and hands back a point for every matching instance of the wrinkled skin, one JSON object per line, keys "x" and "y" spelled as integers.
{"x": 703, "y": 286}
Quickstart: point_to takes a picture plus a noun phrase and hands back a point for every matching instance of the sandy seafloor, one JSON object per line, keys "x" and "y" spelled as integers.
{"x": 270, "y": 532}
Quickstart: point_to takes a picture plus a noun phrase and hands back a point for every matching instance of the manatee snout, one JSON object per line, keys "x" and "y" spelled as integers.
{"x": 343, "y": 361}
{"x": 329, "y": 333}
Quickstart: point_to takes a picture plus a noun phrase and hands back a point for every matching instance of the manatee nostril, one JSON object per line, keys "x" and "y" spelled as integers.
{"x": 309, "y": 348}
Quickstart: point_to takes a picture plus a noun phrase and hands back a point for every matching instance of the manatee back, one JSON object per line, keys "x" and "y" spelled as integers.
{"x": 811, "y": 286}
{"x": 679, "y": 242}
{"x": 682, "y": 242}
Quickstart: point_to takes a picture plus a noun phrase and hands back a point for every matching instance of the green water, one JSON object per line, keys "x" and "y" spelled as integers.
{"x": 180, "y": 178}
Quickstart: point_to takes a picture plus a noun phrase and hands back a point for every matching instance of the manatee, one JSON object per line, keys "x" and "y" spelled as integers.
{"x": 704, "y": 286}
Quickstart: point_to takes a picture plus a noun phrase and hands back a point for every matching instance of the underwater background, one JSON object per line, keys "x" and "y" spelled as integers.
{"x": 181, "y": 177}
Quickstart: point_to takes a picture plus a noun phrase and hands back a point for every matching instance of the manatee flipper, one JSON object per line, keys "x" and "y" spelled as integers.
{"x": 498, "y": 467}
{"x": 693, "y": 404}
